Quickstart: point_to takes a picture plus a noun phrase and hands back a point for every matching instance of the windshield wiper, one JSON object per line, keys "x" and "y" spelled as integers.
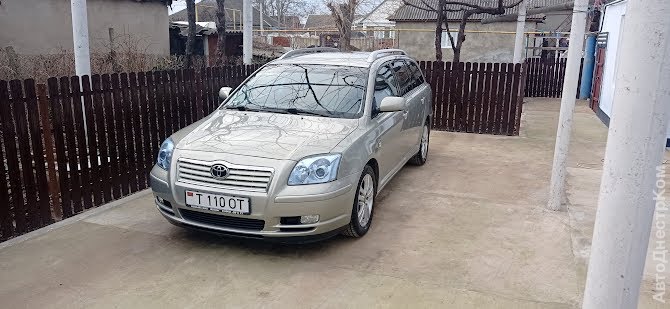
{"x": 296, "y": 111}
{"x": 239, "y": 107}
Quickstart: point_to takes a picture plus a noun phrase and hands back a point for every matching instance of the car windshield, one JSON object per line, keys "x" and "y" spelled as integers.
{"x": 320, "y": 90}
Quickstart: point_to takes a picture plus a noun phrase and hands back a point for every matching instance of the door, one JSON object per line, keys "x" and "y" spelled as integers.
{"x": 422, "y": 97}
{"x": 409, "y": 87}
{"x": 404, "y": 77}
{"x": 389, "y": 147}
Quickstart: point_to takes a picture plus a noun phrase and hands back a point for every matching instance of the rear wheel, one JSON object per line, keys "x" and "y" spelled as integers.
{"x": 361, "y": 213}
{"x": 420, "y": 157}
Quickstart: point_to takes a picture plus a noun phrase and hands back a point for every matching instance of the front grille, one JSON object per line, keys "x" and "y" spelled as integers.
{"x": 244, "y": 178}
{"x": 222, "y": 220}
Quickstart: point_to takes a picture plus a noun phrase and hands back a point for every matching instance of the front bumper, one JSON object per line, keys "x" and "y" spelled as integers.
{"x": 333, "y": 203}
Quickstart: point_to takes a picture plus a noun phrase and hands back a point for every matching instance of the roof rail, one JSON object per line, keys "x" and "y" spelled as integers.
{"x": 385, "y": 52}
{"x": 310, "y": 50}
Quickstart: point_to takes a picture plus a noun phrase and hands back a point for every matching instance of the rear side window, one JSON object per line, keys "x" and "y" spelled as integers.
{"x": 404, "y": 76}
{"x": 416, "y": 74}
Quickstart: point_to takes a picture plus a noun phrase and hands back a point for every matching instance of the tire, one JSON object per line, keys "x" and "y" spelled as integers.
{"x": 420, "y": 157}
{"x": 359, "y": 226}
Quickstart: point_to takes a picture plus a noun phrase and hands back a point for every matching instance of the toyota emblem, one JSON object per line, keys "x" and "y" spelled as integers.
{"x": 219, "y": 171}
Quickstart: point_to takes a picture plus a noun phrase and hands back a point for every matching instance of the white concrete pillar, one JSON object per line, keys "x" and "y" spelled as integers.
{"x": 520, "y": 29}
{"x": 557, "y": 186}
{"x": 635, "y": 146}
{"x": 247, "y": 31}
{"x": 82, "y": 53}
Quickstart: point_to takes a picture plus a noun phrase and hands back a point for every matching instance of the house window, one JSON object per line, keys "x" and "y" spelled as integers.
{"x": 379, "y": 34}
{"x": 446, "y": 43}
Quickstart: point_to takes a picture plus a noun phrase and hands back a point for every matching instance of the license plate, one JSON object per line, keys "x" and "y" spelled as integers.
{"x": 218, "y": 202}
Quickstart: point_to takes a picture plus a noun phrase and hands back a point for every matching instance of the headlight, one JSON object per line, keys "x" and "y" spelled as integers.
{"x": 317, "y": 169}
{"x": 165, "y": 154}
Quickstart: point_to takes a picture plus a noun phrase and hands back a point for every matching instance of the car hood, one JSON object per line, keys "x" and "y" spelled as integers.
{"x": 267, "y": 135}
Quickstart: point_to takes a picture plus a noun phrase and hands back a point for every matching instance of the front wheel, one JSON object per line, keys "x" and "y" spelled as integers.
{"x": 420, "y": 157}
{"x": 361, "y": 213}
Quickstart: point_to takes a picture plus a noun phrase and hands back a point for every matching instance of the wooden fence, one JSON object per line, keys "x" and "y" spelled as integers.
{"x": 77, "y": 143}
{"x": 545, "y": 78}
{"x": 476, "y": 97}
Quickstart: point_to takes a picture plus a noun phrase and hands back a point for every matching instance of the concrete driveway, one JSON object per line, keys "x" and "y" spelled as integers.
{"x": 467, "y": 230}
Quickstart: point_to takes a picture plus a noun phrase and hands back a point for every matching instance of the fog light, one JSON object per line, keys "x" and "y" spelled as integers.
{"x": 160, "y": 200}
{"x": 309, "y": 219}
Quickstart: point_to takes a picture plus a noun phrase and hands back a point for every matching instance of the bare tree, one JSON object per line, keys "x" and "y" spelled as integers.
{"x": 466, "y": 9}
{"x": 343, "y": 14}
{"x": 190, "y": 39}
{"x": 221, "y": 31}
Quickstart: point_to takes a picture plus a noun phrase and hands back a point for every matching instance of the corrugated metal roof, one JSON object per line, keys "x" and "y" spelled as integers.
{"x": 423, "y": 10}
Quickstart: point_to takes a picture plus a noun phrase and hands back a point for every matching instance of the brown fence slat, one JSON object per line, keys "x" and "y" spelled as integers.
{"x": 28, "y": 185}
{"x": 43, "y": 213}
{"x": 57, "y": 102}
{"x": 189, "y": 97}
{"x": 486, "y": 99}
{"x": 93, "y": 171}
{"x": 120, "y": 84}
{"x": 466, "y": 103}
{"x": 163, "y": 94}
{"x": 479, "y": 98}
{"x": 12, "y": 155}
{"x": 110, "y": 129}
{"x": 73, "y": 187}
{"x": 6, "y": 222}
{"x": 504, "y": 121}
{"x": 129, "y": 138}
{"x": 137, "y": 155}
{"x": 512, "y": 126}
{"x": 493, "y": 102}
{"x": 173, "y": 89}
{"x": 179, "y": 79}
{"x": 438, "y": 80}
{"x": 81, "y": 165}
{"x": 49, "y": 151}
{"x": 103, "y": 175}
{"x": 153, "y": 111}
{"x": 117, "y": 127}
{"x": 144, "y": 115}
{"x": 160, "y": 107}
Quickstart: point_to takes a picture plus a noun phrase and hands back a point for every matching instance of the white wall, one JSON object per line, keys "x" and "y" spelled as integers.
{"x": 615, "y": 16}
{"x": 34, "y": 27}
{"x": 612, "y": 23}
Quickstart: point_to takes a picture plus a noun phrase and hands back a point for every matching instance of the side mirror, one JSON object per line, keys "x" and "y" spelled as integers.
{"x": 392, "y": 104}
{"x": 224, "y": 92}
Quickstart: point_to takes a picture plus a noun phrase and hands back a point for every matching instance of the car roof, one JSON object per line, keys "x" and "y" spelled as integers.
{"x": 354, "y": 59}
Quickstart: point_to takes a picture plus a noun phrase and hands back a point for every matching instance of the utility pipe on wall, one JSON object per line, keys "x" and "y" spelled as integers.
{"x": 589, "y": 62}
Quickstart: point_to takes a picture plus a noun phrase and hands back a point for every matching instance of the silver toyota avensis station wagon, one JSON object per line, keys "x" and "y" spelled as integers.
{"x": 299, "y": 151}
